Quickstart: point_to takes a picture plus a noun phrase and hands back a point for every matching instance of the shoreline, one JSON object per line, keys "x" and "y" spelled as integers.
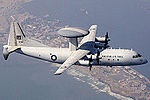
{"x": 127, "y": 84}
{"x": 96, "y": 84}
{"x": 116, "y": 92}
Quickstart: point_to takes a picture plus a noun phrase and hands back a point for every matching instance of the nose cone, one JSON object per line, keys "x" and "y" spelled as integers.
{"x": 145, "y": 61}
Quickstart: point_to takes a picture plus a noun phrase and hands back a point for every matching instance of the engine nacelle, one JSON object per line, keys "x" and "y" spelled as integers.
{"x": 100, "y": 45}
{"x": 101, "y": 39}
{"x": 83, "y": 62}
{"x": 5, "y": 52}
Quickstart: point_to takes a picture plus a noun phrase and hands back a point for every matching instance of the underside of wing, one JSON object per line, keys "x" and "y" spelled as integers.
{"x": 74, "y": 57}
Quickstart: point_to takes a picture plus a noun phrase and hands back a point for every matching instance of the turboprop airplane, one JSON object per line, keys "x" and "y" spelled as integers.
{"x": 90, "y": 51}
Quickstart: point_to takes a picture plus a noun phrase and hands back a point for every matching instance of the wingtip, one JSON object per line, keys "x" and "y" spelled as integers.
{"x": 93, "y": 27}
{"x": 57, "y": 73}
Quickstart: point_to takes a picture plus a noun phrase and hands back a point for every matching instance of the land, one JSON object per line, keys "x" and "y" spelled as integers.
{"x": 122, "y": 80}
{"x": 40, "y": 29}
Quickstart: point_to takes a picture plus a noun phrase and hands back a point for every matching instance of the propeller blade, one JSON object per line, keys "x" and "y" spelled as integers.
{"x": 90, "y": 67}
{"x": 106, "y": 40}
{"x": 97, "y": 57}
{"x": 90, "y": 61}
{"x": 106, "y": 35}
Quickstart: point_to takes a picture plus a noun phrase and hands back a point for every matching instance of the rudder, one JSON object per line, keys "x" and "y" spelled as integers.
{"x": 16, "y": 35}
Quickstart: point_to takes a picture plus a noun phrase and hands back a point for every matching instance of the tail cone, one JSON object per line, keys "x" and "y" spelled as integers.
{"x": 5, "y": 53}
{"x": 5, "y": 56}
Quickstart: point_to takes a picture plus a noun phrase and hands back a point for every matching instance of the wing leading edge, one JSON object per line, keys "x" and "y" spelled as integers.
{"x": 73, "y": 58}
{"x": 80, "y": 53}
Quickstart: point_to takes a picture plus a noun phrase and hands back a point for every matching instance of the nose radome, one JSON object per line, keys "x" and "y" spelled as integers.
{"x": 145, "y": 61}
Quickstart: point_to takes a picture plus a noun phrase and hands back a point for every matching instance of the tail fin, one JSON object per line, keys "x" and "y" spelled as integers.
{"x": 16, "y": 35}
{"x": 17, "y": 39}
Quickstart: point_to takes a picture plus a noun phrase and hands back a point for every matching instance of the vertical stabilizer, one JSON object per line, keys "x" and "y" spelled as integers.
{"x": 16, "y": 35}
{"x": 12, "y": 36}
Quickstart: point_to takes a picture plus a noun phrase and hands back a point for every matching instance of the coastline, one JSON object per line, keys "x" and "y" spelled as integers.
{"x": 129, "y": 98}
{"x": 95, "y": 83}
{"x": 130, "y": 85}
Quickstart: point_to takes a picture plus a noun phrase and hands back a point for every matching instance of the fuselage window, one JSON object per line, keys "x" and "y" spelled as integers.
{"x": 136, "y": 56}
{"x": 120, "y": 56}
{"x": 113, "y": 56}
{"x": 117, "y": 59}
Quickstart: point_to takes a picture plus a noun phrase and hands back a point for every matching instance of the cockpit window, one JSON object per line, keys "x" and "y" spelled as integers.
{"x": 137, "y": 56}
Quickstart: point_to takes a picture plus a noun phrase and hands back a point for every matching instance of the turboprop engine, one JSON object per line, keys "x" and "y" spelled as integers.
{"x": 102, "y": 42}
{"x": 100, "y": 39}
{"x": 5, "y": 52}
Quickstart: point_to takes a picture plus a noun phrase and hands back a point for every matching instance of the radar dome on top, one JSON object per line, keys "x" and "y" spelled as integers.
{"x": 71, "y": 32}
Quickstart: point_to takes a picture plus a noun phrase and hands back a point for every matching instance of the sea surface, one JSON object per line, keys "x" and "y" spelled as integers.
{"x": 127, "y": 21}
{"x": 25, "y": 78}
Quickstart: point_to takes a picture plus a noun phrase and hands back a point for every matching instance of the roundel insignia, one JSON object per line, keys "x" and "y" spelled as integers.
{"x": 54, "y": 57}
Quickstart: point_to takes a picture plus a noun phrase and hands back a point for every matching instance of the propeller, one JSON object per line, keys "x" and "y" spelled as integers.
{"x": 106, "y": 40}
{"x": 97, "y": 56}
{"x": 90, "y": 61}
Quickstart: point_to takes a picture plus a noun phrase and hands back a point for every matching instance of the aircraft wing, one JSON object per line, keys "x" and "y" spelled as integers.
{"x": 91, "y": 36}
{"x": 74, "y": 57}
{"x": 85, "y": 47}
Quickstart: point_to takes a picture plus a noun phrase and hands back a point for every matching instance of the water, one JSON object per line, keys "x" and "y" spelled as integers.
{"x": 127, "y": 20}
{"x": 25, "y": 78}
